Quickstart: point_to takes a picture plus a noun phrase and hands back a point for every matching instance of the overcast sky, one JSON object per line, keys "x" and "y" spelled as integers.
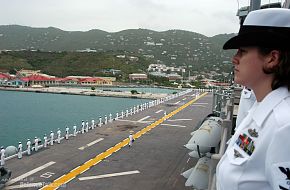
{"x": 208, "y": 17}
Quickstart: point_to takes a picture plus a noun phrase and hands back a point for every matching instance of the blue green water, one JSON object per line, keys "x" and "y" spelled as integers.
{"x": 26, "y": 115}
{"x": 139, "y": 89}
{"x": 146, "y": 90}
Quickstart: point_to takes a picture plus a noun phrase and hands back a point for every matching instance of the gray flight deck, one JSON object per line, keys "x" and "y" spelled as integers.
{"x": 154, "y": 162}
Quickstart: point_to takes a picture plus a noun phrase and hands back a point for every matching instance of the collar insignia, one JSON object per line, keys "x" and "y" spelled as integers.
{"x": 237, "y": 154}
{"x": 253, "y": 133}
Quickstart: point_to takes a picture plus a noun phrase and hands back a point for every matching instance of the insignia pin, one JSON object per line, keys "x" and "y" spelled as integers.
{"x": 237, "y": 154}
{"x": 253, "y": 133}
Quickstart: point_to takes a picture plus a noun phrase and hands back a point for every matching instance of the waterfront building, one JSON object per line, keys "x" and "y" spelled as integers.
{"x": 137, "y": 76}
{"x": 39, "y": 80}
{"x": 16, "y": 82}
{"x": 94, "y": 81}
{"x": 4, "y": 78}
{"x": 69, "y": 81}
{"x": 87, "y": 80}
{"x": 25, "y": 78}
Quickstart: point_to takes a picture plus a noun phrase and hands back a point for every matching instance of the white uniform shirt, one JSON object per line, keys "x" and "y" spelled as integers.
{"x": 247, "y": 100}
{"x": 45, "y": 141}
{"x": 93, "y": 123}
{"x": 19, "y": 150}
{"x": 260, "y": 159}
{"x": 83, "y": 126}
{"x": 87, "y": 126}
{"x": 131, "y": 139}
{"x": 20, "y": 147}
{"x": 2, "y": 152}
{"x": 66, "y": 132}
{"x": 58, "y": 136}
{"x": 58, "y": 133}
{"x": 75, "y": 130}
{"x": 36, "y": 144}
{"x": 28, "y": 144}
{"x": 51, "y": 138}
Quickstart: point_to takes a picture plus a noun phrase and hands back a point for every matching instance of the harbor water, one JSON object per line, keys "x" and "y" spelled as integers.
{"x": 26, "y": 114}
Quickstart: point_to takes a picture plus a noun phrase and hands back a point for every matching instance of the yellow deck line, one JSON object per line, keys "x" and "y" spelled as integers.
{"x": 87, "y": 165}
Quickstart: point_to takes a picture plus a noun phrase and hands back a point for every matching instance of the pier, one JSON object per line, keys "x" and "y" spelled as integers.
{"x": 87, "y": 92}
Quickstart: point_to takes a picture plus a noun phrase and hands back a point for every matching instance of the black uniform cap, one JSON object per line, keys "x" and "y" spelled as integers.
{"x": 269, "y": 28}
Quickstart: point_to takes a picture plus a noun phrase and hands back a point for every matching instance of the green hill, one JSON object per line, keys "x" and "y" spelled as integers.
{"x": 69, "y": 63}
{"x": 191, "y": 50}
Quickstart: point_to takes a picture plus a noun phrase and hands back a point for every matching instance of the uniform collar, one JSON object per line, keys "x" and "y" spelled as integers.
{"x": 268, "y": 103}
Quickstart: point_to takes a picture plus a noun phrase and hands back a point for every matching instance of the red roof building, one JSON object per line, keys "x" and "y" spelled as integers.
{"x": 4, "y": 76}
{"x": 41, "y": 80}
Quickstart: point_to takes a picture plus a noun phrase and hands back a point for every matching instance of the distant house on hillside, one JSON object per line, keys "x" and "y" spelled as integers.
{"x": 137, "y": 76}
{"x": 111, "y": 71}
{"x": 26, "y": 72}
{"x": 132, "y": 58}
{"x": 158, "y": 74}
{"x": 164, "y": 68}
{"x": 121, "y": 56}
{"x": 174, "y": 77}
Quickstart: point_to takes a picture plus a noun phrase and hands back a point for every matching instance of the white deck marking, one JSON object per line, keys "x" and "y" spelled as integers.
{"x": 24, "y": 185}
{"x": 200, "y": 104}
{"x": 47, "y": 175}
{"x": 135, "y": 121}
{"x": 173, "y": 125}
{"x": 159, "y": 111}
{"x": 109, "y": 175}
{"x": 91, "y": 143}
{"x": 12, "y": 181}
{"x": 143, "y": 118}
{"x": 177, "y": 102}
{"x": 179, "y": 120}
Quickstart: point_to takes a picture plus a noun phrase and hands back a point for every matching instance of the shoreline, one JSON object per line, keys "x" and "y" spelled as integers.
{"x": 86, "y": 92}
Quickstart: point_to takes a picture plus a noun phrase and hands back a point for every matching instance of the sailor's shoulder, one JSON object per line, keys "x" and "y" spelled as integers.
{"x": 281, "y": 112}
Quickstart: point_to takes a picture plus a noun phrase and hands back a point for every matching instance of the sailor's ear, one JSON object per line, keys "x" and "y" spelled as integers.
{"x": 272, "y": 59}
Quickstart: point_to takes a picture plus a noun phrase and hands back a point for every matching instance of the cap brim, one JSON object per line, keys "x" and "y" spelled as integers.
{"x": 232, "y": 43}
{"x": 260, "y": 39}
{"x": 243, "y": 41}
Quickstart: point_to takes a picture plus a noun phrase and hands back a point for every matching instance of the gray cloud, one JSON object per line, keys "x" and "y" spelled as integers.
{"x": 209, "y": 17}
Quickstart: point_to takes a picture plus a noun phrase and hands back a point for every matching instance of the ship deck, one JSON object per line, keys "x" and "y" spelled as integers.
{"x": 101, "y": 159}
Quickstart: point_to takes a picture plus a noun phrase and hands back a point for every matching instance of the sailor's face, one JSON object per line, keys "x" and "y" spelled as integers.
{"x": 248, "y": 64}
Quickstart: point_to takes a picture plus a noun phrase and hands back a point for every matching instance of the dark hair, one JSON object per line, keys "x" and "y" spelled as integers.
{"x": 281, "y": 71}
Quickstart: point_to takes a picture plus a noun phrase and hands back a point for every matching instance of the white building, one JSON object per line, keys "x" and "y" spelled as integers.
{"x": 137, "y": 76}
{"x": 164, "y": 68}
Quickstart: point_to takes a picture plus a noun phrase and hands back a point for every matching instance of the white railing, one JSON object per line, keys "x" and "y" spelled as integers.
{"x": 225, "y": 135}
{"x": 219, "y": 124}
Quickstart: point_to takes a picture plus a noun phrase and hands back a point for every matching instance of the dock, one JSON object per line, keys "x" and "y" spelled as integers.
{"x": 101, "y": 158}
{"x": 87, "y": 92}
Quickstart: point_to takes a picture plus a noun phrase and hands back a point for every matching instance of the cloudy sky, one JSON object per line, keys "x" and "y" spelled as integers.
{"x": 208, "y": 17}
